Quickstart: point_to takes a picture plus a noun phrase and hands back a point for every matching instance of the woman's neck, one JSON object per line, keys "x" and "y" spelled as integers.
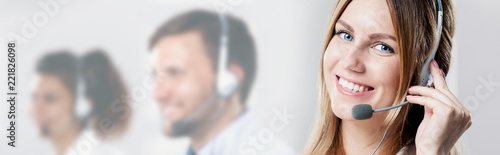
{"x": 358, "y": 136}
{"x": 63, "y": 141}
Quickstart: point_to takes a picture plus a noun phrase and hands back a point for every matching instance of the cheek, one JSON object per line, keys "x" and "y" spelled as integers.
{"x": 189, "y": 89}
{"x": 191, "y": 93}
{"x": 38, "y": 113}
{"x": 330, "y": 60}
{"x": 332, "y": 56}
{"x": 393, "y": 81}
{"x": 60, "y": 112}
{"x": 185, "y": 88}
{"x": 387, "y": 76}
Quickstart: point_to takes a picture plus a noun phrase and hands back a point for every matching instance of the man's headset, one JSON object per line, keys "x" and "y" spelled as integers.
{"x": 227, "y": 81}
{"x": 226, "y": 84}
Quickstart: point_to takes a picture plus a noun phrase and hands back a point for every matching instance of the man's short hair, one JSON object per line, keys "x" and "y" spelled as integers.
{"x": 240, "y": 44}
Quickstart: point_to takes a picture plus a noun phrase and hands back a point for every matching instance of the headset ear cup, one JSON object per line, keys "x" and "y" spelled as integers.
{"x": 81, "y": 109}
{"x": 227, "y": 83}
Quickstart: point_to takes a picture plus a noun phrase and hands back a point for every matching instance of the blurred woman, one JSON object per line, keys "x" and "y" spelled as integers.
{"x": 76, "y": 101}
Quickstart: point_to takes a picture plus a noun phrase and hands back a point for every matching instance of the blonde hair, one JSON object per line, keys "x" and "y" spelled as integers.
{"x": 414, "y": 23}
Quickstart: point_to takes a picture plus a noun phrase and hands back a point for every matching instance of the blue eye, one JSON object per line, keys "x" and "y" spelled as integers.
{"x": 345, "y": 35}
{"x": 384, "y": 48}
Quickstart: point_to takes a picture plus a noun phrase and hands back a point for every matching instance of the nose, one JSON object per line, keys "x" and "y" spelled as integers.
{"x": 352, "y": 60}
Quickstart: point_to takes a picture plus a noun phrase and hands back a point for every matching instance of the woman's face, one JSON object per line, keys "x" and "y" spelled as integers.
{"x": 361, "y": 62}
{"x": 52, "y": 105}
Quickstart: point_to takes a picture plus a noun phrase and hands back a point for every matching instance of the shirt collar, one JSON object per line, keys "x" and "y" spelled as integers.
{"x": 228, "y": 138}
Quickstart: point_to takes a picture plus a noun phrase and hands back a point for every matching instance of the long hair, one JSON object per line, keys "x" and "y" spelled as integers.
{"x": 105, "y": 88}
{"x": 414, "y": 22}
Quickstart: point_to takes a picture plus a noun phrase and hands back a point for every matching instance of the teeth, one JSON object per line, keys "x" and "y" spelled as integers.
{"x": 352, "y": 87}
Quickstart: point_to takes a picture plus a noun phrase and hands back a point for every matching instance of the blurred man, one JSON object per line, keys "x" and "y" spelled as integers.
{"x": 185, "y": 60}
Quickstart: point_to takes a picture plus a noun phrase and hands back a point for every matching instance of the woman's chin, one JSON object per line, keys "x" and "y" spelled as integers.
{"x": 345, "y": 116}
{"x": 343, "y": 112}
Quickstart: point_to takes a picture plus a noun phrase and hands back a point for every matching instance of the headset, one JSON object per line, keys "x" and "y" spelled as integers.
{"x": 364, "y": 111}
{"x": 81, "y": 109}
{"x": 226, "y": 83}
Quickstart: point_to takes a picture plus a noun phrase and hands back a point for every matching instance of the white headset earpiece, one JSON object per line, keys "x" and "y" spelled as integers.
{"x": 227, "y": 81}
{"x": 81, "y": 108}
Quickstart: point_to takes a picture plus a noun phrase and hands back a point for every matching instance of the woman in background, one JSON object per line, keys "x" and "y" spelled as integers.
{"x": 373, "y": 53}
{"x": 76, "y": 97}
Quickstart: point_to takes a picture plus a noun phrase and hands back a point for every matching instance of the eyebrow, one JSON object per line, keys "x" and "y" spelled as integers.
{"x": 381, "y": 36}
{"x": 347, "y": 26}
{"x": 378, "y": 36}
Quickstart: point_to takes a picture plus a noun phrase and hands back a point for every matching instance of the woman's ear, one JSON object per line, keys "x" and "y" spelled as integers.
{"x": 238, "y": 71}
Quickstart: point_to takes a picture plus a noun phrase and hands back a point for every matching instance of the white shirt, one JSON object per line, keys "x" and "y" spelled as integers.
{"x": 245, "y": 136}
{"x": 89, "y": 143}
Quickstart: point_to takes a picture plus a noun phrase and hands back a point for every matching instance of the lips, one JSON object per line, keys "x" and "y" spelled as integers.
{"x": 351, "y": 86}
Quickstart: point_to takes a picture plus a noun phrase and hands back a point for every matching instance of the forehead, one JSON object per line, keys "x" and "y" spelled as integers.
{"x": 49, "y": 82}
{"x": 182, "y": 48}
{"x": 370, "y": 16}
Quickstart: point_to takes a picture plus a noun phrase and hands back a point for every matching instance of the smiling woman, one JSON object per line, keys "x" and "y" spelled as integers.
{"x": 373, "y": 53}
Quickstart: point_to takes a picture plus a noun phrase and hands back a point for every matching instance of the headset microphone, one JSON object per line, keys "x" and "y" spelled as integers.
{"x": 364, "y": 111}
